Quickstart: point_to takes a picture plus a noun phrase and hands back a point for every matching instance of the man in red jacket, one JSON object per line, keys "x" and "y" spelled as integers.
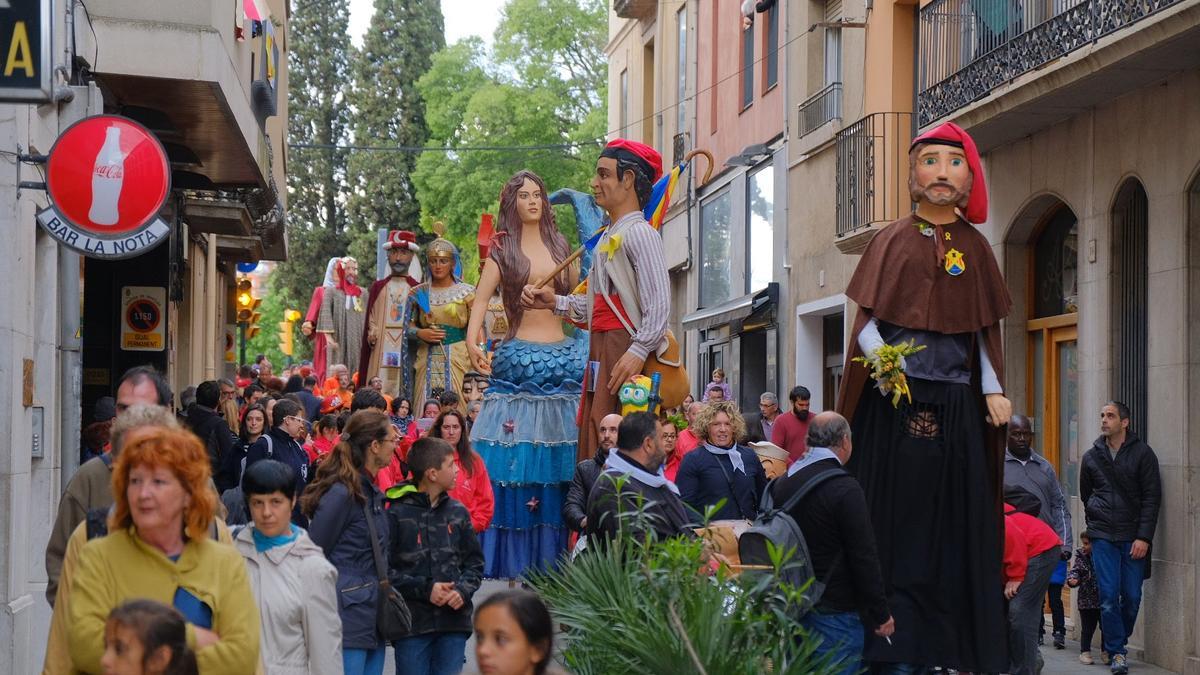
{"x": 1031, "y": 551}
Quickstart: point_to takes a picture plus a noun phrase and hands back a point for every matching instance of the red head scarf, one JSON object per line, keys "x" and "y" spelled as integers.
{"x": 953, "y": 135}
{"x": 345, "y": 286}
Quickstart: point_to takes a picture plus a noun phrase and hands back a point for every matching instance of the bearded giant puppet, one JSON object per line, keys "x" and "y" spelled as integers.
{"x": 924, "y": 390}
{"x": 341, "y": 317}
{"x": 389, "y": 317}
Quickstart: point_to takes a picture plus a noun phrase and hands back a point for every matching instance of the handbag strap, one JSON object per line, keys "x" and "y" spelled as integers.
{"x": 380, "y": 568}
{"x": 729, "y": 481}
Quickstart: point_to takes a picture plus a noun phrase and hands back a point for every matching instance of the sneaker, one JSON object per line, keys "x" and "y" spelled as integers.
{"x": 1104, "y": 658}
{"x": 1086, "y": 658}
{"x": 1119, "y": 667}
{"x": 1060, "y": 640}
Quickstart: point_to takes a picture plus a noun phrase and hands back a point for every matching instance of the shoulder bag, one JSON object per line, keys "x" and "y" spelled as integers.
{"x": 393, "y": 619}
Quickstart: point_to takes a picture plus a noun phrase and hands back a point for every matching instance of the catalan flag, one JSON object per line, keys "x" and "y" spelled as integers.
{"x": 660, "y": 196}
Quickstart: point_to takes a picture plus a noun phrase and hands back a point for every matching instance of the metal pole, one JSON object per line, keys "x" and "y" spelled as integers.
{"x": 242, "y": 343}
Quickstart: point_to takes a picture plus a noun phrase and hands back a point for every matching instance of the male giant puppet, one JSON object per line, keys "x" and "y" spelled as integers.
{"x": 931, "y": 466}
{"x": 628, "y": 297}
{"x": 389, "y": 313}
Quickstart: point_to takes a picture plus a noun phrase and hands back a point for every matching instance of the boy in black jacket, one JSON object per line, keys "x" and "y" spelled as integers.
{"x": 435, "y": 562}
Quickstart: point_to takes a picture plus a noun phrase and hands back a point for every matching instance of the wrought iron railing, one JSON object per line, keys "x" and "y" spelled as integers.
{"x": 970, "y": 47}
{"x": 823, "y": 106}
{"x": 872, "y": 171}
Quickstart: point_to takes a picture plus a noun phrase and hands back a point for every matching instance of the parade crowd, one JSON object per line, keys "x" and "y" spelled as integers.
{"x": 302, "y": 523}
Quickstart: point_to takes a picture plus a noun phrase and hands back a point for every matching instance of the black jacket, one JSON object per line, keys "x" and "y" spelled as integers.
{"x": 841, "y": 542}
{"x": 574, "y": 508}
{"x": 432, "y": 543}
{"x": 705, "y": 479}
{"x": 311, "y": 403}
{"x": 754, "y": 431}
{"x": 1126, "y": 511}
{"x": 217, "y": 438}
{"x": 339, "y": 527}
{"x": 639, "y": 509}
{"x": 277, "y": 445}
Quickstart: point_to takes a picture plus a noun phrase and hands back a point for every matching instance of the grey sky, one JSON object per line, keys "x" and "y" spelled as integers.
{"x": 463, "y": 18}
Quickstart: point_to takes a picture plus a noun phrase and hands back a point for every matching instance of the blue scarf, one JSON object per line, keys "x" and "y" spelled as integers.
{"x": 812, "y": 456}
{"x": 617, "y": 464}
{"x": 735, "y": 457}
{"x": 262, "y": 542}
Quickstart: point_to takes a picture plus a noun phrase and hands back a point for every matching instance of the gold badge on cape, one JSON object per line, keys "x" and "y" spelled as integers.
{"x": 954, "y": 262}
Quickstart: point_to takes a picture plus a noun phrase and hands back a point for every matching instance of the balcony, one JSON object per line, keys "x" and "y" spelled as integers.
{"x": 823, "y": 107}
{"x": 635, "y": 9}
{"x": 872, "y": 177}
{"x": 970, "y": 48}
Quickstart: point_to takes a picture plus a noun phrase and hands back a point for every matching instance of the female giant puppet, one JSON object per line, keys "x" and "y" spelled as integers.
{"x": 526, "y": 430}
{"x": 931, "y": 464}
{"x": 444, "y": 307}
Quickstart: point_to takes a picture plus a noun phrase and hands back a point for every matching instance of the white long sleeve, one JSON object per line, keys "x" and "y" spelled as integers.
{"x": 988, "y": 379}
{"x": 869, "y": 338}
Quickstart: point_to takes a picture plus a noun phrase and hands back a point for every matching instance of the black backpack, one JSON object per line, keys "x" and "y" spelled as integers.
{"x": 775, "y": 528}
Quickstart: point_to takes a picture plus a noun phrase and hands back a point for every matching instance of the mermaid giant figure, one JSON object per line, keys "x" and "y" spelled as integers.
{"x": 526, "y": 431}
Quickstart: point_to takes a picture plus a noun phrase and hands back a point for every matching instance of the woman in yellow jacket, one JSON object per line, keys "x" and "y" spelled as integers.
{"x": 158, "y": 547}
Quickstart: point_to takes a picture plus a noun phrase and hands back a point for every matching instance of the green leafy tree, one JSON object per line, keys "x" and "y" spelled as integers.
{"x": 318, "y": 73}
{"x": 275, "y": 300}
{"x": 389, "y": 111}
{"x": 544, "y": 83}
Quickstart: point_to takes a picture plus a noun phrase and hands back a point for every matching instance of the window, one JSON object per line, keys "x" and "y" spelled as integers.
{"x": 760, "y": 207}
{"x": 1055, "y": 264}
{"x": 1130, "y": 300}
{"x": 747, "y": 67}
{"x": 624, "y": 102}
{"x": 771, "y": 45}
{"x": 833, "y": 55}
{"x": 681, "y": 64}
{"x": 716, "y": 251}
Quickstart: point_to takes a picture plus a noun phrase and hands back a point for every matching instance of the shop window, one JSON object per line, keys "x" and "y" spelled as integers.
{"x": 1056, "y": 263}
{"x": 760, "y": 207}
{"x": 716, "y": 255}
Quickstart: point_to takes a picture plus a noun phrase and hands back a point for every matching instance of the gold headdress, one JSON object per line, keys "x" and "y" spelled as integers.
{"x": 441, "y": 248}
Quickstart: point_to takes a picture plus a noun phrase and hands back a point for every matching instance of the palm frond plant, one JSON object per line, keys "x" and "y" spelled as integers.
{"x": 648, "y": 606}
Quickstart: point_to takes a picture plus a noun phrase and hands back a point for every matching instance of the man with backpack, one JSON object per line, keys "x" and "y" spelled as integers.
{"x": 831, "y": 513}
{"x": 212, "y": 429}
{"x": 1121, "y": 490}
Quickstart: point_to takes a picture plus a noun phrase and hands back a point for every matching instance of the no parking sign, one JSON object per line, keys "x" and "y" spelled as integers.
{"x": 143, "y": 318}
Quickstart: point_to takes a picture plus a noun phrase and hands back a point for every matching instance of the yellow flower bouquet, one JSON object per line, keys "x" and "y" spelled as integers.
{"x": 887, "y": 369}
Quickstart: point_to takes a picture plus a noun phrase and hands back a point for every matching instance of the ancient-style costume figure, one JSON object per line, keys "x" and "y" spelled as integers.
{"x": 931, "y": 466}
{"x": 443, "y": 310}
{"x": 526, "y": 431}
{"x": 388, "y": 319}
{"x": 308, "y": 327}
{"x": 341, "y": 318}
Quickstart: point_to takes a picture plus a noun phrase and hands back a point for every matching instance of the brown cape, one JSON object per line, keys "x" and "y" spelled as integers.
{"x": 364, "y": 358}
{"x": 901, "y": 279}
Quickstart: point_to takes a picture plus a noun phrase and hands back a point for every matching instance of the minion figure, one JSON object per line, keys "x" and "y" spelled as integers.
{"x": 635, "y": 396}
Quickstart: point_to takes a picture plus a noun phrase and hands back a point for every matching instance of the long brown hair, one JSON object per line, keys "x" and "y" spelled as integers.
{"x": 178, "y": 451}
{"x": 506, "y": 247}
{"x": 348, "y": 459}
{"x": 466, "y": 456}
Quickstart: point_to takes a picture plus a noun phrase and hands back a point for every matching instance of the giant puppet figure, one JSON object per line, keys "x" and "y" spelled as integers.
{"x": 386, "y": 325}
{"x": 928, "y": 431}
{"x": 628, "y": 298}
{"x": 308, "y": 328}
{"x": 341, "y": 318}
{"x": 443, "y": 310}
{"x": 526, "y": 431}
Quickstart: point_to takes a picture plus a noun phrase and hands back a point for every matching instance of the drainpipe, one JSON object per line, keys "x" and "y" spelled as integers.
{"x": 210, "y": 309}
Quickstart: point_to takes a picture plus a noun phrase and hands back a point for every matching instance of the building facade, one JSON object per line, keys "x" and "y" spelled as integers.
{"x": 686, "y": 76}
{"x": 211, "y": 84}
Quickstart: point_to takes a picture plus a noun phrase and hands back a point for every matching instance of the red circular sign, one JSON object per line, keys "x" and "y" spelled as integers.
{"x": 142, "y": 315}
{"x": 108, "y": 175}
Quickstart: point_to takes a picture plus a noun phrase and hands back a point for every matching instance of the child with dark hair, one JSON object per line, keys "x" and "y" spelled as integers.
{"x": 324, "y": 436}
{"x": 514, "y": 634}
{"x": 435, "y": 561}
{"x": 1083, "y": 577}
{"x": 146, "y": 637}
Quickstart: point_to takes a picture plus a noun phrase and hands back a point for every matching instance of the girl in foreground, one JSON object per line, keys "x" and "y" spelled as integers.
{"x": 514, "y": 635}
{"x": 143, "y": 637}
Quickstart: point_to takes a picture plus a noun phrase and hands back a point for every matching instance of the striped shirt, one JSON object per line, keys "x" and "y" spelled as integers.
{"x": 643, "y": 246}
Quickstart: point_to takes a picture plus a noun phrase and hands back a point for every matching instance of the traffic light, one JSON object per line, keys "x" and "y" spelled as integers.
{"x": 246, "y": 316}
{"x": 285, "y": 337}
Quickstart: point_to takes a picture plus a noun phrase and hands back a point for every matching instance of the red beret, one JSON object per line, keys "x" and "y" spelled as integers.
{"x": 640, "y": 150}
{"x": 953, "y": 135}
{"x": 401, "y": 239}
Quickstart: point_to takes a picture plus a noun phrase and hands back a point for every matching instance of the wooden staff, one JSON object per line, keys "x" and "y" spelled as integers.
{"x": 579, "y": 251}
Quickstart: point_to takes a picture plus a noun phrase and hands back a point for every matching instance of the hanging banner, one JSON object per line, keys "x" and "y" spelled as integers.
{"x": 108, "y": 177}
{"x": 143, "y": 318}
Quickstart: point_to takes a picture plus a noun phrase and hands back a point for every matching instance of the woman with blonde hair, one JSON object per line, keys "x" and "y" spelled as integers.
{"x": 159, "y": 547}
{"x": 720, "y": 468}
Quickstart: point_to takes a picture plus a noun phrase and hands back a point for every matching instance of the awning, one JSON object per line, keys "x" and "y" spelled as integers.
{"x": 733, "y": 310}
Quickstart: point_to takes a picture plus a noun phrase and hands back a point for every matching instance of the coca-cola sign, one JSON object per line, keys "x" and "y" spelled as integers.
{"x": 108, "y": 177}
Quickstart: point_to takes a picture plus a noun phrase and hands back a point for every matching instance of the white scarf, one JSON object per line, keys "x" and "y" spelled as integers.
{"x": 618, "y": 464}
{"x": 812, "y": 456}
{"x": 735, "y": 457}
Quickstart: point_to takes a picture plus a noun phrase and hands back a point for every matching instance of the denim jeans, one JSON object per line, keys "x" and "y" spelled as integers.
{"x": 1120, "y": 580}
{"x": 1025, "y": 613}
{"x": 431, "y": 654}
{"x": 364, "y": 661}
{"x": 841, "y": 635}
